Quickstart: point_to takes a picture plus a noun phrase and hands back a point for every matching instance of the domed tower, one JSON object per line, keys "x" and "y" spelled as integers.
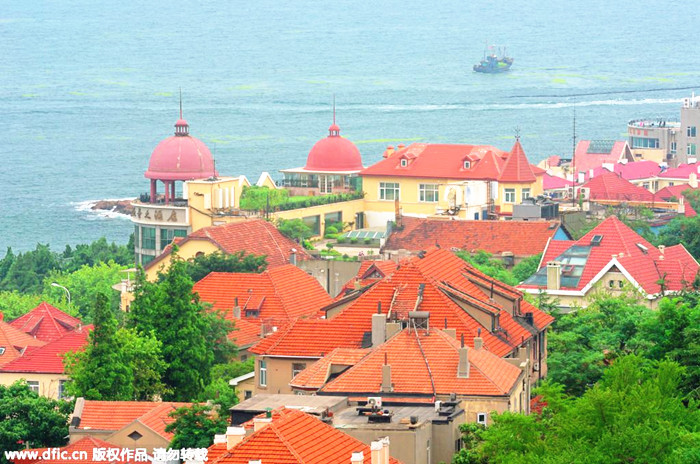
{"x": 180, "y": 157}
{"x": 331, "y": 166}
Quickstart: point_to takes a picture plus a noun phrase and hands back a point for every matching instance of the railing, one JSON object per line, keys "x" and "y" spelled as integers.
{"x": 145, "y": 198}
{"x": 297, "y": 183}
{"x": 654, "y": 123}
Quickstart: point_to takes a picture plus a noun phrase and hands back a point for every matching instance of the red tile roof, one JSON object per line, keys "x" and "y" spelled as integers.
{"x": 636, "y": 256}
{"x": 425, "y": 363}
{"x": 48, "y": 359}
{"x": 85, "y": 445}
{"x": 253, "y": 236}
{"x": 46, "y": 322}
{"x": 550, "y": 182}
{"x": 522, "y": 238}
{"x": 643, "y": 169}
{"x": 279, "y": 295}
{"x": 673, "y": 191}
{"x": 438, "y": 272}
{"x": 442, "y": 161}
{"x": 683, "y": 171}
{"x": 583, "y": 160}
{"x": 517, "y": 168}
{"x": 610, "y": 186}
{"x": 370, "y": 271}
{"x": 317, "y": 374}
{"x": 14, "y": 341}
{"x": 296, "y": 437}
{"x": 115, "y": 415}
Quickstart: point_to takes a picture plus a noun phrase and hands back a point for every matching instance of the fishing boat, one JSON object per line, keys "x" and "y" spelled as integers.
{"x": 495, "y": 61}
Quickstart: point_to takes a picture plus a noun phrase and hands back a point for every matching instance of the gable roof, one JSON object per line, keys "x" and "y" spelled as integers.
{"x": 550, "y": 182}
{"x": 623, "y": 248}
{"x": 252, "y": 236}
{"x": 445, "y": 283}
{"x": 674, "y": 191}
{"x": 294, "y": 437}
{"x": 85, "y": 445}
{"x": 424, "y": 362}
{"x": 442, "y": 161}
{"x": 522, "y": 238}
{"x": 48, "y": 359}
{"x": 317, "y": 374}
{"x": 517, "y": 168}
{"x": 13, "y": 342}
{"x": 370, "y": 271}
{"x": 115, "y": 415}
{"x": 610, "y": 186}
{"x": 46, "y": 322}
{"x": 683, "y": 171}
{"x": 590, "y": 154}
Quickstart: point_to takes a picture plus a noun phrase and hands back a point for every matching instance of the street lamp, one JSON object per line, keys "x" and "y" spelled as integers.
{"x": 54, "y": 284}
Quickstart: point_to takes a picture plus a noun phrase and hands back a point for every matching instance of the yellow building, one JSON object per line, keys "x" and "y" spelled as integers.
{"x": 440, "y": 180}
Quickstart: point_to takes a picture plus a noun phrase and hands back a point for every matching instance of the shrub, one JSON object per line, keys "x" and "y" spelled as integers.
{"x": 368, "y": 241}
{"x": 353, "y": 240}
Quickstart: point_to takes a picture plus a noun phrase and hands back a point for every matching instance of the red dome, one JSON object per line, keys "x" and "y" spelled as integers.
{"x": 181, "y": 157}
{"x": 334, "y": 154}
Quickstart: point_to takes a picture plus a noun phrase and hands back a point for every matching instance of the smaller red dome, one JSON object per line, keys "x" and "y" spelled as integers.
{"x": 334, "y": 154}
{"x": 181, "y": 157}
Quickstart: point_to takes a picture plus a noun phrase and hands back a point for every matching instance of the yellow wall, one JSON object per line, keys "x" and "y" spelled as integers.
{"x": 186, "y": 251}
{"x": 658, "y": 155}
{"x": 207, "y": 198}
{"x": 535, "y": 189}
{"x": 48, "y": 383}
{"x": 348, "y": 209}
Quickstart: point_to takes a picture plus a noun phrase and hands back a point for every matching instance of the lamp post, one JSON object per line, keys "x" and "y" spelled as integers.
{"x": 54, "y": 284}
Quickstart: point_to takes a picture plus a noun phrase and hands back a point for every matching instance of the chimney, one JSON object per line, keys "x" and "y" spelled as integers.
{"x": 553, "y": 275}
{"x": 378, "y": 326}
{"x": 385, "y": 450}
{"x": 386, "y": 376}
{"x": 220, "y": 439}
{"x": 463, "y": 366}
{"x": 693, "y": 179}
{"x": 236, "y": 310}
{"x": 293, "y": 256}
{"x": 377, "y": 452}
{"x": 581, "y": 177}
{"x": 478, "y": 343}
{"x": 234, "y": 435}
{"x": 260, "y": 422}
{"x": 357, "y": 458}
{"x": 662, "y": 248}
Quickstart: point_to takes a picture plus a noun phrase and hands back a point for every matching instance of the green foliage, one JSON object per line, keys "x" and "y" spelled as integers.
{"x": 255, "y": 198}
{"x": 219, "y": 392}
{"x": 200, "y": 266}
{"x": 30, "y": 420}
{"x": 684, "y": 230}
{"x": 169, "y": 310}
{"x": 330, "y": 230}
{"x": 195, "y": 426}
{"x": 117, "y": 364}
{"x": 471, "y": 439}
{"x": 14, "y": 304}
{"x": 489, "y": 266}
{"x": 97, "y": 252}
{"x": 526, "y": 267}
{"x": 296, "y": 229}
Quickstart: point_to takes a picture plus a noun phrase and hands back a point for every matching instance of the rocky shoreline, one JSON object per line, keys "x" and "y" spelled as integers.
{"x": 115, "y": 206}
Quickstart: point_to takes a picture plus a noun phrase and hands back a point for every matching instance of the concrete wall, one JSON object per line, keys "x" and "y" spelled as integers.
{"x": 348, "y": 210}
{"x": 408, "y": 446}
{"x": 48, "y": 383}
{"x": 279, "y": 373}
{"x": 332, "y": 275}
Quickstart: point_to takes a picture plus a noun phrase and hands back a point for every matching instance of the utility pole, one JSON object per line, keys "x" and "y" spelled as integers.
{"x": 573, "y": 160}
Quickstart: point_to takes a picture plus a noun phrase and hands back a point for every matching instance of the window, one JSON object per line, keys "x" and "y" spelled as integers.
{"x": 621, "y": 283}
{"x": 644, "y": 142}
{"x": 297, "y": 367}
{"x": 509, "y": 196}
{"x": 33, "y": 385}
{"x": 671, "y": 184}
{"x": 248, "y": 394}
{"x": 148, "y": 238}
{"x": 611, "y": 283}
{"x": 690, "y": 150}
{"x": 481, "y": 418}
{"x": 61, "y": 388}
{"x": 389, "y": 191}
{"x": 2, "y": 350}
{"x": 674, "y": 146}
{"x": 167, "y": 236}
{"x": 646, "y": 185}
{"x": 691, "y": 131}
{"x": 263, "y": 373}
{"x": 137, "y": 244}
{"x": 145, "y": 259}
{"x": 404, "y": 163}
{"x": 526, "y": 193}
{"x": 428, "y": 193}
{"x": 467, "y": 165}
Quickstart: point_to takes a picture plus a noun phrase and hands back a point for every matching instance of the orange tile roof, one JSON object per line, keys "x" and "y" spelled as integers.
{"x": 48, "y": 359}
{"x": 425, "y": 363}
{"x": 441, "y": 161}
{"x": 370, "y": 272}
{"x": 517, "y": 168}
{"x": 296, "y": 437}
{"x": 398, "y": 295}
{"x": 522, "y": 238}
{"x": 46, "y": 322}
{"x": 253, "y": 236}
{"x": 84, "y": 445}
{"x": 14, "y": 341}
{"x": 673, "y": 191}
{"x": 610, "y": 186}
{"x": 114, "y": 415}
{"x": 316, "y": 375}
{"x": 279, "y": 295}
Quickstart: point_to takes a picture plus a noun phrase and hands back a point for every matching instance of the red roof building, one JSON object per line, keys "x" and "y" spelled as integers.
{"x": 48, "y": 359}
{"x": 255, "y": 237}
{"x": 681, "y": 173}
{"x": 270, "y": 299}
{"x": 84, "y": 451}
{"x": 517, "y": 168}
{"x": 46, "y": 322}
{"x": 13, "y": 342}
{"x": 521, "y": 238}
{"x": 591, "y": 154}
{"x": 610, "y": 186}
{"x": 294, "y": 437}
{"x": 612, "y": 256}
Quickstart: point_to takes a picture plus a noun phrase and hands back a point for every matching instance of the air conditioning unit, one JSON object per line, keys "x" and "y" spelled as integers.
{"x": 585, "y": 192}
{"x": 686, "y": 103}
{"x": 374, "y": 401}
{"x": 536, "y": 366}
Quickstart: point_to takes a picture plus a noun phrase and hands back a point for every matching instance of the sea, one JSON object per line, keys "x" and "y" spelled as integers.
{"x": 89, "y": 88}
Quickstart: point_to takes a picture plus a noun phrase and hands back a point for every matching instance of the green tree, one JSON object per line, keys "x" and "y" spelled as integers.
{"x": 683, "y": 230}
{"x": 27, "y": 271}
{"x": 255, "y": 198}
{"x": 30, "y": 420}
{"x": 202, "y": 265}
{"x": 219, "y": 391}
{"x": 484, "y": 262}
{"x": 296, "y": 229}
{"x": 169, "y": 310}
{"x": 526, "y": 267}
{"x": 195, "y": 426}
{"x": 14, "y": 304}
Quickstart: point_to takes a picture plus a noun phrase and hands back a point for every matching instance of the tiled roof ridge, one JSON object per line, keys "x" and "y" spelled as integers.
{"x": 425, "y": 360}
{"x": 274, "y": 427}
{"x": 446, "y": 286}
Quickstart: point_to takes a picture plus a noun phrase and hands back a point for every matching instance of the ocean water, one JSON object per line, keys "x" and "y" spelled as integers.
{"x": 88, "y": 88}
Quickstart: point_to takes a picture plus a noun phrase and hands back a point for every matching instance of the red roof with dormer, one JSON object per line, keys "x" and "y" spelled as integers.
{"x": 674, "y": 191}
{"x": 591, "y": 154}
{"x": 517, "y": 168}
{"x": 48, "y": 359}
{"x": 610, "y": 186}
{"x": 13, "y": 342}
{"x": 46, "y": 322}
{"x": 683, "y": 171}
{"x": 294, "y": 437}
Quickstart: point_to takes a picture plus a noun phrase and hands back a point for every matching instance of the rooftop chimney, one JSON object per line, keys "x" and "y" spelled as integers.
{"x": 260, "y": 422}
{"x": 357, "y": 458}
{"x": 378, "y": 326}
{"x": 463, "y": 366}
{"x": 386, "y": 376}
{"x": 220, "y": 439}
{"x": 693, "y": 179}
{"x": 478, "y": 343}
{"x": 293, "y": 256}
{"x": 236, "y": 310}
{"x": 380, "y": 451}
{"x": 662, "y": 248}
{"x": 234, "y": 435}
{"x": 553, "y": 275}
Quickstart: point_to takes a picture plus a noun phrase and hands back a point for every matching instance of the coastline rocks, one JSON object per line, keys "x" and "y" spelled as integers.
{"x": 116, "y": 206}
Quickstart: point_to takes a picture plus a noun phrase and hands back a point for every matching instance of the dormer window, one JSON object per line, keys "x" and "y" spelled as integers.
{"x": 404, "y": 162}
{"x": 467, "y": 164}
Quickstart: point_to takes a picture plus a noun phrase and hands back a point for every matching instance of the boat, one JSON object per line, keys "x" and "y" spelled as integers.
{"x": 494, "y": 62}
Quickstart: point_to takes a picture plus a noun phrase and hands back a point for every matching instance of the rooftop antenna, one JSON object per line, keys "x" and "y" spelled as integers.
{"x": 517, "y": 133}
{"x": 333, "y": 109}
{"x": 180, "y": 102}
{"x": 573, "y": 159}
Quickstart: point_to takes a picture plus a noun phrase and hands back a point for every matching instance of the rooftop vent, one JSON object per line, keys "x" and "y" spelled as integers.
{"x": 644, "y": 249}
{"x": 595, "y": 241}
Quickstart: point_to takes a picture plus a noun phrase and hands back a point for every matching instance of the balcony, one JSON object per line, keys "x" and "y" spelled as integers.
{"x": 653, "y": 123}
